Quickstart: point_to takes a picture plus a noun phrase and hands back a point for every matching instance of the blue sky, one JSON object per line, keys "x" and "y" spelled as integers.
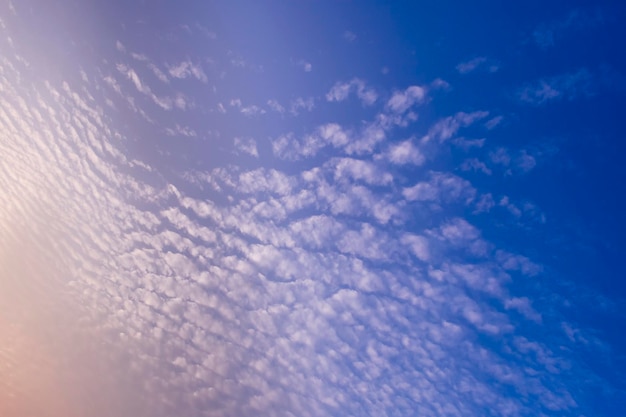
{"x": 312, "y": 208}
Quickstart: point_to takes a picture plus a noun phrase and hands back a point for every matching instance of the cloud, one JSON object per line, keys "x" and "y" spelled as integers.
{"x": 512, "y": 208}
{"x": 500, "y": 156}
{"x": 317, "y": 287}
{"x": 493, "y": 122}
{"x": 440, "y": 187}
{"x": 340, "y": 91}
{"x": 155, "y": 70}
{"x": 187, "y": 69}
{"x": 525, "y": 162}
{"x": 514, "y": 262}
{"x": 164, "y": 103}
{"x": 401, "y": 101}
{"x": 418, "y": 244}
{"x": 522, "y": 163}
{"x": 459, "y": 233}
{"x": 247, "y": 146}
{"x": 567, "y": 86}
{"x": 484, "y": 204}
{"x": 440, "y": 84}
{"x": 360, "y": 170}
{"x": 449, "y": 126}
{"x": 275, "y": 106}
{"x": 405, "y": 153}
{"x": 474, "y": 164}
{"x": 524, "y": 307}
{"x": 181, "y": 131}
{"x": 300, "y": 103}
{"x": 306, "y": 66}
{"x": 471, "y": 65}
{"x": 251, "y": 110}
{"x": 288, "y": 147}
{"x": 477, "y": 63}
{"x": 468, "y": 144}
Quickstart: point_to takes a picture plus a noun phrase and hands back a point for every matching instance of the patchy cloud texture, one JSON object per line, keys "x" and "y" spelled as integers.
{"x": 190, "y": 226}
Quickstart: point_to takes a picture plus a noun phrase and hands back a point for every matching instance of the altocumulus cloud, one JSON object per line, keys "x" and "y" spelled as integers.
{"x": 321, "y": 280}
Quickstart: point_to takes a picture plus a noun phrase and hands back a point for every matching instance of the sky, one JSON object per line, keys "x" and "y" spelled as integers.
{"x": 312, "y": 208}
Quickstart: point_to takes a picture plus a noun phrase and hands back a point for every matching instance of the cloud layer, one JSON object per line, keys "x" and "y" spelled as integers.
{"x": 337, "y": 269}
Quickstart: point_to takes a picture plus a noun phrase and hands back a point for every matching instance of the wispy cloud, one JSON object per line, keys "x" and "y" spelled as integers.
{"x": 275, "y": 106}
{"x": 251, "y": 110}
{"x": 493, "y": 122}
{"x": 477, "y": 63}
{"x": 448, "y": 127}
{"x": 181, "y": 131}
{"x": 187, "y": 69}
{"x": 474, "y": 164}
{"x": 521, "y": 161}
{"x": 300, "y": 103}
{"x": 567, "y": 86}
{"x": 165, "y": 103}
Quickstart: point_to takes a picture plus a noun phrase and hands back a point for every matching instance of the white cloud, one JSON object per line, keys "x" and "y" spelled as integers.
{"x": 305, "y": 65}
{"x": 163, "y": 102}
{"x": 187, "y": 69}
{"x": 296, "y": 287}
{"x": 440, "y": 187}
{"x": 247, "y": 146}
{"x": 500, "y": 156}
{"x": 515, "y": 262}
{"x": 484, "y": 204}
{"x": 493, "y": 122}
{"x": 181, "y": 131}
{"x": 275, "y": 106}
{"x": 300, "y": 103}
{"x": 477, "y": 63}
{"x": 401, "y": 101}
{"x": 418, "y": 244}
{"x": 340, "y": 91}
{"x": 522, "y": 163}
{"x": 474, "y": 164}
{"x": 251, "y": 110}
{"x": 471, "y": 65}
{"x": 261, "y": 180}
{"x": 319, "y": 231}
{"x": 357, "y": 169}
{"x": 458, "y": 233}
{"x": 525, "y": 162}
{"x": 468, "y": 144}
{"x": 449, "y": 126}
{"x": 288, "y": 147}
{"x": 405, "y": 153}
{"x": 440, "y": 84}
{"x": 523, "y": 306}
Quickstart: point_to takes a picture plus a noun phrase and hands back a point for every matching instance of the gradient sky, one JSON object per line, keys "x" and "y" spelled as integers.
{"x": 312, "y": 208}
